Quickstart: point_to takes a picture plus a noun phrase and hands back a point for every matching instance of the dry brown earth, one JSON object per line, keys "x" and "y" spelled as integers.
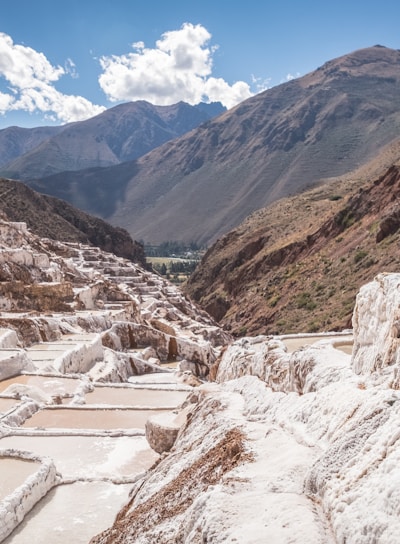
{"x": 298, "y": 264}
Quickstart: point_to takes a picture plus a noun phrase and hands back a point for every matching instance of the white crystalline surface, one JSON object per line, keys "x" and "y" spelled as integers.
{"x": 68, "y": 511}
{"x": 98, "y": 457}
{"x": 320, "y": 454}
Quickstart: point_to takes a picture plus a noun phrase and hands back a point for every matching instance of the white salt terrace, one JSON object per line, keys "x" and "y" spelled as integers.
{"x": 71, "y": 513}
{"x": 84, "y": 457}
{"x": 97, "y": 448}
{"x": 51, "y": 385}
{"x": 89, "y": 418}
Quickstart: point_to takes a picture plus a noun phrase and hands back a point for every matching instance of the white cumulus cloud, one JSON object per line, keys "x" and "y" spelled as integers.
{"x": 30, "y": 80}
{"x": 178, "y": 68}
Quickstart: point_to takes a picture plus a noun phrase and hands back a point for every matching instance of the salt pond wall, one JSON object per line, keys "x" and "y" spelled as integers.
{"x": 15, "y": 506}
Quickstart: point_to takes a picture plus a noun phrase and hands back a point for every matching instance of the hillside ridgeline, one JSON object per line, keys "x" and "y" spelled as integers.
{"x": 298, "y": 264}
{"x": 122, "y": 133}
{"x": 49, "y": 217}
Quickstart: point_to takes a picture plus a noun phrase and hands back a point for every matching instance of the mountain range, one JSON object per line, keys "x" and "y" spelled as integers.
{"x": 122, "y": 133}
{"x": 280, "y": 142}
{"x": 294, "y": 190}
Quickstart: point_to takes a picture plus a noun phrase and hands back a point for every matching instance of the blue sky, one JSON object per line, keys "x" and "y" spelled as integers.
{"x": 67, "y": 60}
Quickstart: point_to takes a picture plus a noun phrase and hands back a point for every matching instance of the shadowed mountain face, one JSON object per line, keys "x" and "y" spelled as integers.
{"x": 49, "y": 217}
{"x": 122, "y": 133}
{"x": 16, "y": 141}
{"x": 298, "y": 264}
{"x": 280, "y": 142}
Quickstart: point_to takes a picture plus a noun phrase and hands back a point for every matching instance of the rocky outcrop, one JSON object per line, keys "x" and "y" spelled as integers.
{"x": 163, "y": 429}
{"x": 377, "y": 338}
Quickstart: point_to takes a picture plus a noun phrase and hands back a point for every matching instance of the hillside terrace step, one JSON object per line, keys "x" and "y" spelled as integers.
{"x": 117, "y": 280}
{"x": 120, "y": 271}
{"x": 71, "y": 355}
{"x": 150, "y": 296}
{"x": 134, "y": 280}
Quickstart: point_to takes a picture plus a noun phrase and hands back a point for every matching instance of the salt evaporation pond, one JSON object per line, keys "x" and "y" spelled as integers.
{"x": 52, "y": 385}
{"x": 340, "y": 342}
{"x": 71, "y": 513}
{"x": 130, "y": 396}
{"x": 97, "y": 466}
{"x": 6, "y": 404}
{"x": 89, "y": 456}
{"x": 89, "y": 418}
{"x": 14, "y": 472}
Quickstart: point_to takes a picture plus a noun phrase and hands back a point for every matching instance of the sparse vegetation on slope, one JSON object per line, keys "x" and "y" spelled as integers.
{"x": 52, "y": 218}
{"x": 298, "y": 264}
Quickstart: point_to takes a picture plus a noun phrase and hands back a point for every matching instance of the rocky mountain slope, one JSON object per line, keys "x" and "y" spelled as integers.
{"x": 52, "y": 218}
{"x": 16, "y": 141}
{"x": 298, "y": 264}
{"x": 122, "y": 133}
{"x": 275, "y": 144}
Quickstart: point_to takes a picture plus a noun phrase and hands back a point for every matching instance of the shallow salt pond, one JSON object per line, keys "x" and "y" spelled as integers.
{"x": 88, "y": 456}
{"x": 71, "y": 513}
{"x": 89, "y": 418}
{"x": 49, "y": 384}
{"x": 7, "y": 404}
{"x": 14, "y": 472}
{"x": 130, "y": 396}
{"x": 340, "y": 342}
{"x": 98, "y": 448}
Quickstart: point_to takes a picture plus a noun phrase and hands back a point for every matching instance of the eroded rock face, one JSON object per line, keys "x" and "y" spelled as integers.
{"x": 376, "y": 323}
{"x": 162, "y": 430}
